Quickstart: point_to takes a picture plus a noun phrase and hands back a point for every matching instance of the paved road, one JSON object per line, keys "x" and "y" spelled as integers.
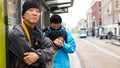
{"x": 95, "y": 53}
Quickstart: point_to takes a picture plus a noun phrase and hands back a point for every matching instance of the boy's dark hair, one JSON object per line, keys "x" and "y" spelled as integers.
{"x": 63, "y": 30}
{"x": 55, "y": 34}
{"x": 55, "y": 19}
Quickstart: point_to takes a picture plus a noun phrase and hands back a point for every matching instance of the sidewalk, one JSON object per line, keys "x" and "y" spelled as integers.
{"x": 112, "y": 41}
{"x": 74, "y": 61}
{"x": 116, "y": 43}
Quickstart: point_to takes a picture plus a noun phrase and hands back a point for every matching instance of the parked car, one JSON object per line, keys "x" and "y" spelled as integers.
{"x": 104, "y": 36}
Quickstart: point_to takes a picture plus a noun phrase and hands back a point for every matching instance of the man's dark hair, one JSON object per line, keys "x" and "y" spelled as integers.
{"x": 29, "y": 4}
{"x": 55, "y": 19}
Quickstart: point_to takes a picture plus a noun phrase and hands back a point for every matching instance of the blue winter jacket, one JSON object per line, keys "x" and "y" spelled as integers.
{"x": 61, "y": 59}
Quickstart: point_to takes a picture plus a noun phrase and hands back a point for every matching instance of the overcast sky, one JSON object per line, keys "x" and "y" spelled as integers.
{"x": 77, "y": 12}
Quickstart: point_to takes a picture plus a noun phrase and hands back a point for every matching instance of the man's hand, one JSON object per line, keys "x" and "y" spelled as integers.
{"x": 30, "y": 57}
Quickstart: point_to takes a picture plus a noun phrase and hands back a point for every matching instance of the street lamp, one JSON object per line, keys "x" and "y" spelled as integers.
{"x": 93, "y": 26}
{"x": 119, "y": 29}
{"x": 119, "y": 26}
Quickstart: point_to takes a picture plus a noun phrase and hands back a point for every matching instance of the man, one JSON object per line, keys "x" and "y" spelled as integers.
{"x": 61, "y": 59}
{"x": 28, "y": 47}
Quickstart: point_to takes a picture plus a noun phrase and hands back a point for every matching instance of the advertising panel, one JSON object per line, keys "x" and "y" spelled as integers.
{"x": 2, "y": 36}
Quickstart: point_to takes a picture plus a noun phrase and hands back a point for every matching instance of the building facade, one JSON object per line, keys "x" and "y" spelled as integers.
{"x": 110, "y": 15}
{"x": 96, "y": 15}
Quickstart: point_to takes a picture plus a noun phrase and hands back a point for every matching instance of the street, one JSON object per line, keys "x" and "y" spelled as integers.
{"x": 96, "y": 53}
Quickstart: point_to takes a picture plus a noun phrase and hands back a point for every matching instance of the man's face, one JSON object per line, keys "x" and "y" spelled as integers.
{"x": 55, "y": 26}
{"x": 32, "y": 15}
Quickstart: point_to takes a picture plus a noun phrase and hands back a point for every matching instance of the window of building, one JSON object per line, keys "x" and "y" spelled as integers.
{"x": 99, "y": 4}
{"x": 117, "y": 17}
{"x": 116, "y": 4}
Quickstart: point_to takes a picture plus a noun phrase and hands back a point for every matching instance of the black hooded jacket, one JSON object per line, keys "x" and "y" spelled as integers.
{"x": 18, "y": 44}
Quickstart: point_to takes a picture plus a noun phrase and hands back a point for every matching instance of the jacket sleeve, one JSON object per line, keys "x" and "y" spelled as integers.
{"x": 48, "y": 50}
{"x": 18, "y": 43}
{"x": 69, "y": 45}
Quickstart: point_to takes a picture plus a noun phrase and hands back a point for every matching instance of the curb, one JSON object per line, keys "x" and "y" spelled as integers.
{"x": 115, "y": 43}
{"x": 74, "y": 61}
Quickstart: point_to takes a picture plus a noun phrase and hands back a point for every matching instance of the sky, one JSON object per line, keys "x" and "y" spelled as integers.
{"x": 76, "y": 12}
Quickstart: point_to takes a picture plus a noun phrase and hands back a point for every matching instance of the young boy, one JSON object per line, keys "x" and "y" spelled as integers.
{"x": 57, "y": 37}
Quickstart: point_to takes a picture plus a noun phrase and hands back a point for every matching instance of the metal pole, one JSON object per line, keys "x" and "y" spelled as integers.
{"x": 119, "y": 28}
{"x": 19, "y": 11}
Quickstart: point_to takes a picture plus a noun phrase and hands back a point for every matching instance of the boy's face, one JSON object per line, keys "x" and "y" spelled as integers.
{"x": 59, "y": 41}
